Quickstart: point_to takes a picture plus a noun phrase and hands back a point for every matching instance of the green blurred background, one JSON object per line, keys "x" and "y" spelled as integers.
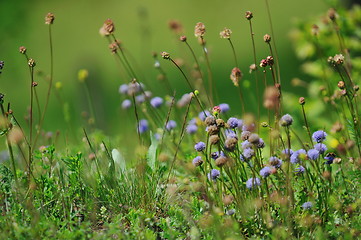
{"x": 142, "y": 27}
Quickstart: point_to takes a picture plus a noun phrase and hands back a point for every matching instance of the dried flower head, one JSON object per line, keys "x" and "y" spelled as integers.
{"x": 212, "y": 130}
{"x": 271, "y": 97}
{"x": 183, "y": 38}
{"x": 252, "y": 67}
{"x": 15, "y": 135}
{"x": 230, "y": 143}
{"x": 249, "y": 15}
{"x": 214, "y": 139}
{"x": 221, "y": 161}
{"x": 220, "y": 122}
{"x": 49, "y": 18}
{"x": 165, "y": 55}
{"x": 301, "y": 101}
{"x": 226, "y": 33}
{"x": 22, "y": 50}
{"x": 331, "y": 13}
{"x": 197, "y": 161}
{"x": 263, "y": 63}
{"x": 270, "y": 61}
{"x": 199, "y": 30}
{"x": 175, "y": 26}
{"x": 315, "y": 30}
{"x": 210, "y": 120}
{"x": 286, "y": 120}
{"x": 338, "y": 59}
{"x": 114, "y": 46}
{"x": 341, "y": 85}
{"x": 31, "y": 63}
{"x": 107, "y": 28}
{"x": 267, "y": 38}
{"x": 236, "y": 76}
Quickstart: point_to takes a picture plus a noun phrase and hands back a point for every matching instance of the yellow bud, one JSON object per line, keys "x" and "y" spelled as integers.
{"x": 196, "y": 92}
{"x": 58, "y": 85}
{"x": 83, "y": 75}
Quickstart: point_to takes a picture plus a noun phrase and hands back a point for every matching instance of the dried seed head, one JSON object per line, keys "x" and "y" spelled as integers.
{"x": 252, "y": 67}
{"x": 336, "y": 127}
{"x": 213, "y": 130}
{"x": 226, "y": 33}
{"x": 22, "y": 50}
{"x": 210, "y": 120}
{"x": 245, "y": 135}
{"x": 35, "y": 84}
{"x": 31, "y": 63}
{"x": 331, "y": 13}
{"x": 214, "y": 139}
{"x": 341, "y": 85}
{"x": 114, "y": 46}
{"x": 230, "y": 143}
{"x": 267, "y": 38}
{"x": 220, "y": 123}
{"x": 263, "y": 63}
{"x": 302, "y": 101}
{"x": 356, "y": 88}
{"x": 221, "y": 161}
{"x": 236, "y": 76}
{"x": 271, "y": 97}
{"x": 249, "y": 15}
{"x": 315, "y": 30}
{"x": 253, "y": 138}
{"x": 339, "y": 59}
{"x": 15, "y": 135}
{"x": 107, "y": 28}
{"x": 270, "y": 61}
{"x": 49, "y": 18}
{"x": 228, "y": 200}
{"x": 165, "y": 55}
{"x": 199, "y": 30}
{"x": 183, "y": 38}
{"x": 175, "y": 26}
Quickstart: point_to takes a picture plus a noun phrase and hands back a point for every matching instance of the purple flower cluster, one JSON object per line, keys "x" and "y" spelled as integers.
{"x": 275, "y": 162}
{"x": 214, "y": 174}
{"x": 313, "y": 154}
{"x": 143, "y": 126}
{"x": 200, "y": 146}
{"x": 307, "y": 205}
{"x": 197, "y": 161}
{"x": 233, "y": 122}
{"x": 253, "y": 182}
{"x": 126, "y": 104}
{"x": 296, "y": 156}
{"x": 319, "y": 136}
{"x": 224, "y": 107}
{"x": 156, "y": 102}
{"x": 265, "y": 172}
{"x": 171, "y": 124}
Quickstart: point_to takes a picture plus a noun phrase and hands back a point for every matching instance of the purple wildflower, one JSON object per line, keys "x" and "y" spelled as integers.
{"x": 200, "y": 146}
{"x": 123, "y": 89}
{"x": 213, "y": 175}
{"x": 248, "y": 153}
{"x": 171, "y": 124}
{"x": 320, "y": 147}
{"x": 202, "y": 115}
{"x": 286, "y": 120}
{"x": 240, "y": 123}
{"x": 253, "y": 182}
{"x": 232, "y": 122}
{"x": 224, "y": 107}
{"x": 143, "y": 126}
{"x": 197, "y": 161}
{"x": 192, "y": 128}
{"x": 295, "y": 157}
{"x": 330, "y": 157}
{"x": 230, "y": 133}
{"x": 319, "y": 136}
{"x": 313, "y": 154}
{"x": 140, "y": 99}
{"x": 265, "y": 172}
{"x": 300, "y": 170}
{"x": 307, "y": 205}
{"x": 156, "y": 102}
{"x": 246, "y": 144}
{"x": 275, "y": 161}
{"x": 126, "y": 104}
{"x": 287, "y": 151}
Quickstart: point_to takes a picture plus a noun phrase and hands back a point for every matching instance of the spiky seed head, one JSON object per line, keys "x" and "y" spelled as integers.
{"x": 49, "y": 18}
{"x": 214, "y": 139}
{"x": 210, "y": 120}
{"x": 226, "y": 33}
{"x": 31, "y": 63}
{"x": 236, "y": 76}
{"x": 267, "y": 38}
{"x": 199, "y": 30}
{"x": 22, "y": 50}
{"x": 249, "y": 15}
{"x": 220, "y": 123}
{"x": 221, "y": 161}
{"x": 165, "y": 55}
